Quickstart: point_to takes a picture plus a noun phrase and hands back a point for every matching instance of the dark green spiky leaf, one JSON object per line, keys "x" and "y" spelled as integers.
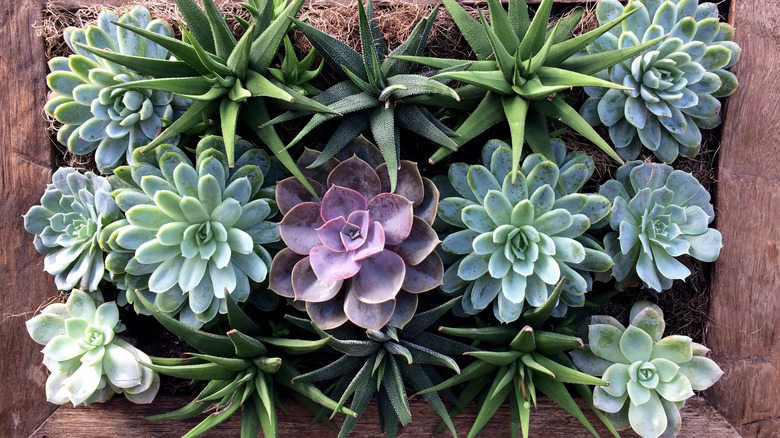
{"x": 367, "y": 46}
{"x": 472, "y": 30}
{"x": 489, "y": 407}
{"x": 214, "y": 419}
{"x": 265, "y": 46}
{"x": 412, "y": 118}
{"x": 415, "y": 375}
{"x": 479, "y": 121}
{"x": 524, "y": 341}
{"x": 565, "y": 374}
{"x": 197, "y": 23}
{"x": 538, "y": 59}
{"x": 393, "y": 384}
{"x": 350, "y": 347}
{"x": 231, "y": 363}
{"x": 287, "y": 374}
{"x": 490, "y": 80}
{"x": 180, "y": 49}
{"x": 238, "y": 319}
{"x": 560, "y": 395}
{"x": 414, "y": 45}
{"x": 499, "y": 335}
{"x": 239, "y": 56}
{"x": 423, "y": 320}
{"x": 194, "y": 115}
{"x": 245, "y": 345}
{"x": 415, "y": 85}
{"x": 424, "y": 355}
{"x": 204, "y": 342}
{"x": 250, "y": 421}
{"x": 190, "y": 410}
{"x": 350, "y": 127}
{"x": 537, "y": 31}
{"x": 224, "y": 41}
{"x": 515, "y": 109}
{"x": 475, "y": 370}
{"x": 361, "y": 379}
{"x": 549, "y": 343}
{"x": 506, "y": 62}
{"x": 498, "y": 358}
{"x": 294, "y": 346}
{"x": 518, "y": 17}
{"x": 382, "y": 120}
{"x": 536, "y": 316}
{"x": 343, "y": 365}
{"x": 203, "y": 371}
{"x": 592, "y": 64}
{"x": 158, "y": 68}
{"x": 566, "y": 25}
{"x": 185, "y": 85}
{"x": 440, "y": 63}
{"x": 211, "y": 63}
{"x": 335, "y": 52}
{"x": 501, "y": 26}
{"x": 228, "y": 116}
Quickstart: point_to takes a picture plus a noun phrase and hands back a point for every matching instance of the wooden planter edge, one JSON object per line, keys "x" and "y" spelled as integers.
{"x": 743, "y": 311}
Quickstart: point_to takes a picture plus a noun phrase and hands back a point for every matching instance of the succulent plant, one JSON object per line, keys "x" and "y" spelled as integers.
{"x": 240, "y": 371}
{"x": 95, "y": 115}
{"x": 649, "y": 377}
{"x": 673, "y": 86}
{"x": 658, "y": 214}
{"x": 359, "y": 253}
{"x": 519, "y": 362}
{"x": 193, "y": 233}
{"x": 520, "y": 235}
{"x": 381, "y": 364}
{"x": 295, "y": 73}
{"x": 73, "y": 212}
{"x": 527, "y": 75}
{"x": 377, "y": 93}
{"x": 88, "y": 363}
{"x": 221, "y": 75}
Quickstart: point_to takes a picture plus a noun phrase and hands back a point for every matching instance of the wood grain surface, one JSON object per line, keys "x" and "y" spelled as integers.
{"x": 700, "y": 420}
{"x": 744, "y": 327}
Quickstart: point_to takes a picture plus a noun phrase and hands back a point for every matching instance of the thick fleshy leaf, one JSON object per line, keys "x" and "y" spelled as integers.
{"x": 636, "y": 344}
{"x": 648, "y": 419}
{"x": 396, "y": 215}
{"x": 702, "y": 372}
{"x": 308, "y": 287}
{"x": 280, "y": 276}
{"x": 380, "y": 278}
{"x": 299, "y": 226}
{"x": 419, "y": 244}
{"x": 330, "y": 265}
{"x": 424, "y": 276}
{"x": 676, "y": 390}
{"x": 369, "y": 316}
{"x": 604, "y": 341}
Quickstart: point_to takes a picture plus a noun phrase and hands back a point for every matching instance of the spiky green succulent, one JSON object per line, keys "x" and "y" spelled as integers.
{"x": 520, "y": 235}
{"x": 74, "y": 211}
{"x": 193, "y": 234}
{"x": 95, "y": 115}
{"x": 381, "y": 364}
{"x": 377, "y": 93}
{"x": 658, "y": 215}
{"x": 222, "y": 76}
{"x": 87, "y": 362}
{"x": 530, "y": 70}
{"x": 519, "y": 362}
{"x": 295, "y": 73}
{"x": 241, "y": 368}
{"x": 673, "y": 86}
{"x": 649, "y": 377}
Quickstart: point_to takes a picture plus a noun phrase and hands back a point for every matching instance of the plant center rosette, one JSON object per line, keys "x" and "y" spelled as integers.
{"x": 359, "y": 253}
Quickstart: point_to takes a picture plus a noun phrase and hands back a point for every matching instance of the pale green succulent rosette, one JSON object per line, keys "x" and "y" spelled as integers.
{"x": 519, "y": 239}
{"x": 88, "y": 363}
{"x": 658, "y": 214}
{"x": 674, "y": 85}
{"x": 649, "y": 377}
{"x": 193, "y": 233}
{"x": 95, "y": 114}
{"x": 74, "y": 210}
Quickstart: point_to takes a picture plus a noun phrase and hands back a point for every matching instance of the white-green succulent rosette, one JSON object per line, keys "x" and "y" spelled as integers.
{"x": 658, "y": 214}
{"x": 95, "y": 114}
{"x": 649, "y": 377}
{"x": 518, "y": 239}
{"x": 193, "y": 232}
{"x": 88, "y": 363}
{"x": 74, "y": 210}
{"x": 674, "y": 85}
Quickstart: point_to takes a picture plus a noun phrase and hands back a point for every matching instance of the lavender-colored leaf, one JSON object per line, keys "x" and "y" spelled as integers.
{"x": 395, "y": 214}
{"x": 290, "y": 192}
{"x": 329, "y": 314}
{"x": 369, "y": 316}
{"x": 280, "y": 276}
{"x": 374, "y": 243}
{"x": 380, "y": 278}
{"x": 331, "y": 265}
{"x": 341, "y": 201}
{"x": 330, "y": 234}
{"x": 405, "y": 306}
{"x": 420, "y": 242}
{"x": 424, "y": 276}
{"x": 356, "y": 174}
{"x": 410, "y": 184}
{"x": 309, "y": 287}
{"x": 299, "y": 227}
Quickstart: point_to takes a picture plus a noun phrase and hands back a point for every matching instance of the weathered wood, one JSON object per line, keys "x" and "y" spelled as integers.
{"x": 25, "y": 167}
{"x": 700, "y": 419}
{"x": 744, "y": 327}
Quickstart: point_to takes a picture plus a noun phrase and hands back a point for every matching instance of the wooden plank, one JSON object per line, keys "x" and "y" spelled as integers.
{"x": 25, "y": 167}
{"x": 744, "y": 326}
{"x": 700, "y": 419}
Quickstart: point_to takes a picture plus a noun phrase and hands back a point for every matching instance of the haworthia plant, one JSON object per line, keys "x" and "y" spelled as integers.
{"x": 221, "y": 75}
{"x": 194, "y": 233}
{"x": 74, "y": 211}
{"x": 524, "y": 70}
{"x": 649, "y": 377}
{"x": 377, "y": 93}
{"x": 673, "y": 86}
{"x": 95, "y": 115}
{"x": 295, "y": 73}
{"x": 658, "y": 215}
{"x": 521, "y": 234}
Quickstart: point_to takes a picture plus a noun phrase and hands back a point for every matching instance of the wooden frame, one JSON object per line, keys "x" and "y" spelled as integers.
{"x": 744, "y": 309}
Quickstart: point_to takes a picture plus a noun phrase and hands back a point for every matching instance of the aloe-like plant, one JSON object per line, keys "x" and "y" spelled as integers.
{"x": 649, "y": 377}
{"x": 673, "y": 86}
{"x": 74, "y": 210}
{"x": 295, "y": 73}
{"x": 96, "y": 116}
{"x": 518, "y": 363}
{"x": 377, "y": 91}
{"x": 221, "y": 75}
{"x": 519, "y": 235}
{"x": 87, "y": 362}
{"x": 359, "y": 254}
{"x": 380, "y": 364}
{"x": 193, "y": 234}
{"x": 658, "y": 215}
{"x": 529, "y": 71}
{"x": 241, "y": 368}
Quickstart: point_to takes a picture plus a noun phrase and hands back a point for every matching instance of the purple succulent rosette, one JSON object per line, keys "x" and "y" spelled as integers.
{"x": 357, "y": 253}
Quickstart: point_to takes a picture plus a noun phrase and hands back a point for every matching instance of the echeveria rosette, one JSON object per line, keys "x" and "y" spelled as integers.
{"x": 193, "y": 233}
{"x": 658, "y": 214}
{"x": 360, "y": 253}
{"x": 649, "y": 377}
{"x": 674, "y": 85}
{"x": 74, "y": 210}
{"x": 88, "y": 363}
{"x": 518, "y": 239}
{"x": 96, "y": 116}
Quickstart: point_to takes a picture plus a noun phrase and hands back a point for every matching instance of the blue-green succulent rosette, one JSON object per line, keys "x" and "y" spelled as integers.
{"x": 74, "y": 210}
{"x": 194, "y": 231}
{"x": 516, "y": 240}
{"x": 673, "y": 86}
{"x": 658, "y": 214}
{"x": 95, "y": 114}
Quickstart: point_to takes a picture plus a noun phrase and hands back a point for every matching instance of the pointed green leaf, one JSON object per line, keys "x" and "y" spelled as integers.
{"x": 472, "y": 30}
{"x": 197, "y": 23}
{"x": 224, "y": 41}
{"x": 515, "y": 109}
{"x": 265, "y": 46}
{"x": 533, "y": 40}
